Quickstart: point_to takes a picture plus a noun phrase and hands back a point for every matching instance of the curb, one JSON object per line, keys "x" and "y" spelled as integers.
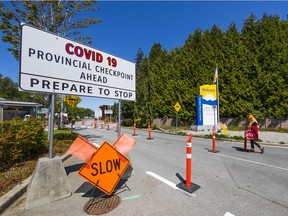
{"x": 221, "y": 139}
{"x": 9, "y": 198}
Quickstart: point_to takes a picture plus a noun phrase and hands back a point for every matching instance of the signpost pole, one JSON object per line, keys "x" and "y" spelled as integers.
{"x": 119, "y": 118}
{"x": 176, "y": 120}
{"x": 214, "y": 131}
{"x": 61, "y": 113}
{"x": 51, "y": 125}
{"x": 110, "y": 113}
{"x": 177, "y": 108}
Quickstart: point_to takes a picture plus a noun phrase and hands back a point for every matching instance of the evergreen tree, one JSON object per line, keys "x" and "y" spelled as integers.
{"x": 8, "y": 89}
{"x": 253, "y": 72}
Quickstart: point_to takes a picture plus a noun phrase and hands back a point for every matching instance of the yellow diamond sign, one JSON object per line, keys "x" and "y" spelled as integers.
{"x": 177, "y": 107}
{"x": 72, "y": 100}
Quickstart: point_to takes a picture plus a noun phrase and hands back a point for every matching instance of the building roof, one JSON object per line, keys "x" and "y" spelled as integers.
{"x": 4, "y": 102}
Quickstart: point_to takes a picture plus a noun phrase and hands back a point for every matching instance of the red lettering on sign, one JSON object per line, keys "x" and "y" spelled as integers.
{"x": 80, "y": 52}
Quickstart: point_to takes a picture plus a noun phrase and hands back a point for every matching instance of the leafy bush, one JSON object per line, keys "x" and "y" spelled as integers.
{"x": 17, "y": 173}
{"x": 141, "y": 123}
{"x": 155, "y": 127}
{"x": 128, "y": 122}
{"x": 182, "y": 133}
{"x": 20, "y": 140}
{"x": 64, "y": 135}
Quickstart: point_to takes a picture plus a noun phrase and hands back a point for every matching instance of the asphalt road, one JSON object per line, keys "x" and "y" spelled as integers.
{"x": 232, "y": 182}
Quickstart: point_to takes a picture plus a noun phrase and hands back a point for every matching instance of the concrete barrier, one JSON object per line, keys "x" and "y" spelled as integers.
{"x": 49, "y": 183}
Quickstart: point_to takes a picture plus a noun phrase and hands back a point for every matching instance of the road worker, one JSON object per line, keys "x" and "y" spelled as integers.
{"x": 254, "y": 127}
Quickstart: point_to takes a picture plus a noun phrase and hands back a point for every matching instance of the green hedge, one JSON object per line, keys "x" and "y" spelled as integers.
{"x": 20, "y": 140}
{"x": 141, "y": 123}
{"x": 64, "y": 135}
{"x": 128, "y": 122}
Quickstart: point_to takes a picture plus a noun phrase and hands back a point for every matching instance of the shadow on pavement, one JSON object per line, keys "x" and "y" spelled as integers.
{"x": 89, "y": 190}
{"x": 73, "y": 168}
{"x": 243, "y": 150}
{"x": 240, "y": 149}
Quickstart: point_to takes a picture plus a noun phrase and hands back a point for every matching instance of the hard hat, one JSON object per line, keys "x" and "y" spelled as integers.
{"x": 250, "y": 116}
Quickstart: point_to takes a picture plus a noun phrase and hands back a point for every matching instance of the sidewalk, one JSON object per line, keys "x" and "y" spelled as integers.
{"x": 266, "y": 137}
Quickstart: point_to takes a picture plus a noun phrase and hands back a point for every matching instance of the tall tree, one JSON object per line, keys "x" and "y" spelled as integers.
{"x": 139, "y": 59}
{"x": 273, "y": 44}
{"x": 234, "y": 95}
{"x": 253, "y": 71}
{"x": 8, "y": 89}
{"x": 59, "y": 17}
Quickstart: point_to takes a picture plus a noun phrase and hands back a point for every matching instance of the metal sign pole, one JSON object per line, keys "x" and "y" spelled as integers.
{"x": 110, "y": 114}
{"x": 51, "y": 125}
{"x": 61, "y": 113}
{"x": 215, "y": 119}
{"x": 214, "y": 130}
{"x": 119, "y": 118}
{"x": 176, "y": 120}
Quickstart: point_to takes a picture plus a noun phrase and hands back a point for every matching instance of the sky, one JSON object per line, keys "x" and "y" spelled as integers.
{"x": 129, "y": 25}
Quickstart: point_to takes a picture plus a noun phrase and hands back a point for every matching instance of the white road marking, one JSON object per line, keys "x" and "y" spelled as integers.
{"x": 130, "y": 197}
{"x": 228, "y": 214}
{"x": 169, "y": 183}
{"x": 241, "y": 159}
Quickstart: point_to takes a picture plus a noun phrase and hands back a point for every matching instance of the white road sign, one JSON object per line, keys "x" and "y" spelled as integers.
{"x": 54, "y": 64}
{"x": 108, "y": 112}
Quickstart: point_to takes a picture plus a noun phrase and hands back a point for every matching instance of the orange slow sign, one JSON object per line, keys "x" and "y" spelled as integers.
{"x": 105, "y": 168}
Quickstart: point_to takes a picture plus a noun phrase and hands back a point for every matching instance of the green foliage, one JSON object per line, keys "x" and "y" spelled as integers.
{"x": 128, "y": 122}
{"x": 252, "y": 62}
{"x": 154, "y": 127}
{"x": 252, "y": 71}
{"x": 141, "y": 123}
{"x": 235, "y": 128}
{"x": 182, "y": 133}
{"x": 64, "y": 135}
{"x": 20, "y": 171}
{"x": 78, "y": 111}
{"x": 20, "y": 140}
{"x": 59, "y": 17}
{"x": 9, "y": 90}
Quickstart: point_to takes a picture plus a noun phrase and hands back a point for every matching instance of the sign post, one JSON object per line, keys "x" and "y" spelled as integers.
{"x": 177, "y": 108}
{"x": 51, "y": 126}
{"x": 72, "y": 101}
{"x": 119, "y": 118}
{"x": 214, "y": 131}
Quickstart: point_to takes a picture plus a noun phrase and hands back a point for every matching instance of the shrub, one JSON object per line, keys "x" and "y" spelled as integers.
{"x": 128, "y": 122}
{"x": 20, "y": 140}
{"x": 141, "y": 123}
{"x": 64, "y": 135}
{"x": 182, "y": 133}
